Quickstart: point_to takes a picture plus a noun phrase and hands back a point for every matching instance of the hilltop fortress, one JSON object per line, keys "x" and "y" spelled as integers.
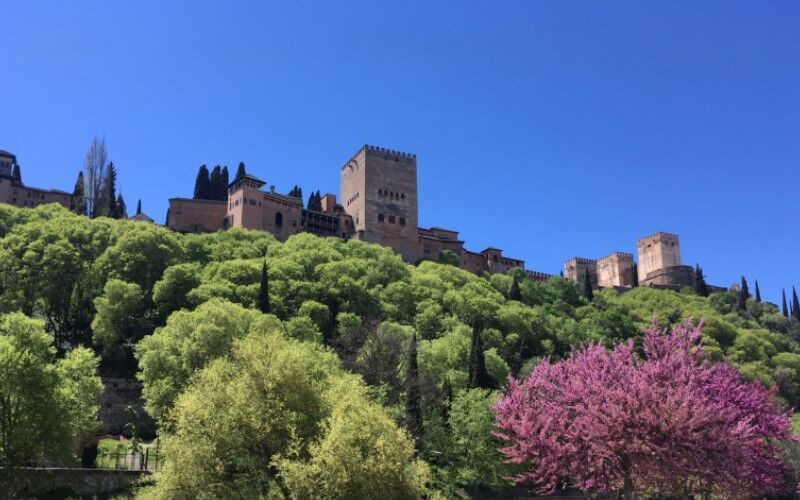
{"x": 378, "y": 204}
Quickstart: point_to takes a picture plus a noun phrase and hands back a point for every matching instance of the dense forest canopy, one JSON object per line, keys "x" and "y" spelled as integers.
{"x": 275, "y": 366}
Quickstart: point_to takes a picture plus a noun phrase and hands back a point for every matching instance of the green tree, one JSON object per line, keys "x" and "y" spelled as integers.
{"x": 263, "y": 290}
{"x": 170, "y": 292}
{"x": 107, "y": 206}
{"x": 587, "y": 286}
{"x": 784, "y": 308}
{"x": 139, "y": 206}
{"x": 795, "y": 305}
{"x": 744, "y": 294}
{"x": 514, "y": 292}
{"x": 448, "y": 257}
{"x": 758, "y": 293}
{"x": 414, "y": 423}
{"x": 119, "y": 322}
{"x": 240, "y": 170}
{"x": 700, "y": 281}
{"x": 634, "y": 275}
{"x": 478, "y": 376}
{"x": 121, "y": 210}
{"x": 215, "y": 183}
{"x": 79, "y": 196}
{"x": 202, "y": 184}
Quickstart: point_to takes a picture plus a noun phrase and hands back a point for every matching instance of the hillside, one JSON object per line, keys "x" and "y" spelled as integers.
{"x": 183, "y": 313}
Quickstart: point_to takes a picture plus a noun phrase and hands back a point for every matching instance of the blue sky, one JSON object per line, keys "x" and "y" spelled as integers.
{"x": 549, "y": 129}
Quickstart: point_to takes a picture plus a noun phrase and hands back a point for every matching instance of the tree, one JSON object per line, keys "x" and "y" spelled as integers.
{"x": 700, "y": 281}
{"x": 514, "y": 292}
{"x": 166, "y": 218}
{"x": 79, "y": 196}
{"x": 95, "y": 168}
{"x": 784, "y": 308}
{"x": 215, "y": 183}
{"x": 414, "y": 423}
{"x": 296, "y": 192}
{"x": 240, "y": 171}
{"x": 139, "y": 207}
{"x": 597, "y": 420}
{"x": 795, "y": 305}
{"x": 263, "y": 290}
{"x": 224, "y": 181}
{"x": 315, "y": 202}
{"x": 478, "y": 375}
{"x": 202, "y": 184}
{"x": 634, "y": 275}
{"x": 16, "y": 174}
{"x": 758, "y": 293}
{"x": 121, "y": 208}
{"x": 107, "y": 200}
{"x": 448, "y": 257}
{"x": 744, "y": 294}
{"x": 587, "y": 286}
{"x": 118, "y": 322}
{"x": 46, "y": 405}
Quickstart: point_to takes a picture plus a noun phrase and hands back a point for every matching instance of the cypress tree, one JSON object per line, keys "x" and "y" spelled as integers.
{"x": 139, "y": 206}
{"x": 16, "y": 174}
{"x": 215, "y": 183}
{"x": 587, "y": 286}
{"x": 202, "y": 184}
{"x": 79, "y": 196}
{"x": 263, "y": 291}
{"x": 225, "y": 181}
{"x": 784, "y": 307}
{"x": 166, "y": 218}
{"x": 700, "y": 281}
{"x": 108, "y": 198}
{"x": 478, "y": 376}
{"x": 414, "y": 423}
{"x": 634, "y": 275}
{"x": 120, "y": 210}
{"x": 240, "y": 171}
{"x": 758, "y": 293}
{"x": 795, "y": 305}
{"x": 744, "y": 294}
{"x": 315, "y": 202}
{"x": 514, "y": 293}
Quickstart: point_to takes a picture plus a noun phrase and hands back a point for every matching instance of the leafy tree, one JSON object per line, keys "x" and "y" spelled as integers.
{"x": 139, "y": 207}
{"x": 46, "y": 406}
{"x": 119, "y": 315}
{"x": 587, "y": 286}
{"x": 478, "y": 376}
{"x": 414, "y": 423}
{"x": 170, "y": 292}
{"x": 202, "y": 184}
{"x": 95, "y": 168}
{"x": 795, "y": 305}
{"x": 79, "y": 196}
{"x": 448, "y": 257}
{"x": 613, "y": 405}
{"x": 784, "y": 308}
{"x": 700, "y": 286}
{"x": 263, "y": 291}
{"x": 240, "y": 170}
{"x": 16, "y": 174}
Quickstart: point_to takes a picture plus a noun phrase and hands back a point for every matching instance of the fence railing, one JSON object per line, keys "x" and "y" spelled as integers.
{"x": 148, "y": 458}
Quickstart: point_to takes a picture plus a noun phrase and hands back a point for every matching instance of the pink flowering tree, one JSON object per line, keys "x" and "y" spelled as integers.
{"x": 671, "y": 422}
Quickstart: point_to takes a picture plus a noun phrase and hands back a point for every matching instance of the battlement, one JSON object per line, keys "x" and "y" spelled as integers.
{"x": 659, "y": 236}
{"x": 581, "y": 260}
{"x": 618, "y": 255}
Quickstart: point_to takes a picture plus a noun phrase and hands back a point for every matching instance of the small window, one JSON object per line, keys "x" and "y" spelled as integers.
{"x": 402, "y": 196}
{"x": 279, "y": 219}
{"x": 391, "y": 219}
{"x": 380, "y": 217}
{"x": 380, "y": 192}
{"x": 402, "y": 221}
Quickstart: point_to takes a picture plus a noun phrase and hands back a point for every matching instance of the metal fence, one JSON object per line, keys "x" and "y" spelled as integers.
{"x": 148, "y": 458}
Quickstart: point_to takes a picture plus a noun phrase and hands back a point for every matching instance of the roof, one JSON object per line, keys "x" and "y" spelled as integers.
{"x": 3, "y": 152}
{"x": 141, "y": 217}
{"x": 247, "y": 176}
{"x": 491, "y": 248}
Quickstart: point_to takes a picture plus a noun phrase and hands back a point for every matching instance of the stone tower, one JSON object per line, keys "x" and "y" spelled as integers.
{"x": 658, "y": 251}
{"x": 378, "y": 188}
{"x": 615, "y": 270}
{"x": 576, "y": 267}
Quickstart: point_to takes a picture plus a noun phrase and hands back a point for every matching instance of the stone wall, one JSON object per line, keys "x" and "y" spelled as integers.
{"x": 615, "y": 270}
{"x": 196, "y": 216}
{"x": 24, "y": 482}
{"x": 674, "y": 277}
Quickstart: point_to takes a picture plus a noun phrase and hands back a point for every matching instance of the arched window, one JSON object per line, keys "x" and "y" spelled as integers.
{"x": 278, "y": 219}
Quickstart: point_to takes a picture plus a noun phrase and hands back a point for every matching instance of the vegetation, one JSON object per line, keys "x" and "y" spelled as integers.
{"x": 277, "y": 367}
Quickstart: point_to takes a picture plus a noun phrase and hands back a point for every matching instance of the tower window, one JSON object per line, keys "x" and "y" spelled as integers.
{"x": 380, "y": 217}
{"x": 402, "y": 196}
{"x": 391, "y": 219}
{"x": 402, "y": 221}
{"x": 278, "y": 219}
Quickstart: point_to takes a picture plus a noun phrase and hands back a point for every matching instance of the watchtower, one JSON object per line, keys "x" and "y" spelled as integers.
{"x": 378, "y": 189}
{"x": 658, "y": 251}
{"x": 615, "y": 270}
{"x": 576, "y": 267}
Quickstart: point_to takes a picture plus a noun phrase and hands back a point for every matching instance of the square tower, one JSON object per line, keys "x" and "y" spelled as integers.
{"x": 378, "y": 189}
{"x": 658, "y": 251}
{"x": 576, "y": 267}
{"x": 615, "y": 270}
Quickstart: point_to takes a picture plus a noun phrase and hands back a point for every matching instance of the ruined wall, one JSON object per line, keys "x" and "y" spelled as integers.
{"x": 615, "y": 270}
{"x": 25, "y": 482}
{"x": 658, "y": 251}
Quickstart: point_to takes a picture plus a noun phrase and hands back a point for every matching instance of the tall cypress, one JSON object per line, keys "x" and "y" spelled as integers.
{"x": 225, "y": 181}
{"x": 79, "y": 196}
{"x": 784, "y": 307}
{"x": 700, "y": 281}
{"x": 634, "y": 275}
{"x": 514, "y": 293}
{"x": 744, "y": 294}
{"x": 120, "y": 210}
{"x": 240, "y": 170}
{"x": 263, "y": 291}
{"x": 795, "y": 305}
{"x": 587, "y": 286}
{"x": 758, "y": 293}
{"x": 108, "y": 206}
{"x": 16, "y": 174}
{"x": 216, "y": 182}
{"x": 414, "y": 423}
{"x": 202, "y": 184}
{"x": 478, "y": 376}
{"x": 139, "y": 206}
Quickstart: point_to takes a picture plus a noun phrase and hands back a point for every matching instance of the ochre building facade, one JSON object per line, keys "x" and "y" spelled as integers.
{"x": 18, "y": 194}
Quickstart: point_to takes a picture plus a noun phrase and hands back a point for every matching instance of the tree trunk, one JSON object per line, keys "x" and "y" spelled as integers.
{"x": 627, "y": 487}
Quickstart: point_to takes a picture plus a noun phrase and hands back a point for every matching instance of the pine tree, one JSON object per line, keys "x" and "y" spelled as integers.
{"x": 744, "y": 294}
{"x": 795, "y": 305}
{"x": 478, "y": 376}
{"x": 587, "y": 286}
{"x": 139, "y": 206}
{"x": 784, "y": 307}
{"x": 16, "y": 174}
{"x": 240, "y": 171}
{"x": 414, "y": 423}
{"x": 634, "y": 275}
{"x": 514, "y": 293}
{"x": 120, "y": 210}
{"x": 758, "y": 293}
{"x": 263, "y": 291}
{"x": 79, "y": 196}
{"x": 700, "y": 281}
{"x": 202, "y": 184}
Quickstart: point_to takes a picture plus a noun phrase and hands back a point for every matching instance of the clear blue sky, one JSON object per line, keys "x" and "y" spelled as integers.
{"x": 549, "y": 129}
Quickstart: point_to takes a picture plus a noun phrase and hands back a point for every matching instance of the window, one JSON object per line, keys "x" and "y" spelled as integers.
{"x": 380, "y": 217}
{"x": 391, "y": 219}
{"x": 402, "y": 221}
{"x": 380, "y": 192}
{"x": 279, "y": 219}
{"x": 402, "y": 196}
